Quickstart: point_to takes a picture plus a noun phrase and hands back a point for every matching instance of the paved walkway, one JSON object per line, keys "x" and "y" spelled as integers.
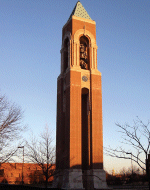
{"x": 130, "y": 187}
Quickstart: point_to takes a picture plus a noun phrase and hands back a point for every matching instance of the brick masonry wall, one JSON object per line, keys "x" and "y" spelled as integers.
{"x": 13, "y": 173}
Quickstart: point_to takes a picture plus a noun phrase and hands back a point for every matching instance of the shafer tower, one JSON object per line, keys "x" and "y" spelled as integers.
{"x": 79, "y": 140}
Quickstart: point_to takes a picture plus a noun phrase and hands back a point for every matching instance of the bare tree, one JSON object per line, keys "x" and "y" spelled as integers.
{"x": 137, "y": 137}
{"x": 42, "y": 152}
{"x": 10, "y": 128}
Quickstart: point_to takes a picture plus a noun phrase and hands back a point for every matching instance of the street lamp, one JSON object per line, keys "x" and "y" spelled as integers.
{"x": 131, "y": 161}
{"x": 23, "y": 161}
{"x": 131, "y": 164}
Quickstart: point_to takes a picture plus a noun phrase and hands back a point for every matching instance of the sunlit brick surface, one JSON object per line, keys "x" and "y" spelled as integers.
{"x": 12, "y": 173}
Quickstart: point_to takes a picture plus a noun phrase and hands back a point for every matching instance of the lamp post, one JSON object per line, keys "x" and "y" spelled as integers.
{"x": 23, "y": 161}
{"x": 148, "y": 168}
{"x": 131, "y": 160}
{"x": 131, "y": 164}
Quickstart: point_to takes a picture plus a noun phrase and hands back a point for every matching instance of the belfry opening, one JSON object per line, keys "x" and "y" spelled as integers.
{"x": 79, "y": 130}
{"x": 65, "y": 56}
{"x": 84, "y": 52}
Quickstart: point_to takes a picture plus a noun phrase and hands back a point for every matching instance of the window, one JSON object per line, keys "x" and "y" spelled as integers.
{"x": 2, "y": 173}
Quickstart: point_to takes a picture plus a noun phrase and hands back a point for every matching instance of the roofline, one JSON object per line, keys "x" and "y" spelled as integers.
{"x": 84, "y": 19}
{"x": 81, "y": 19}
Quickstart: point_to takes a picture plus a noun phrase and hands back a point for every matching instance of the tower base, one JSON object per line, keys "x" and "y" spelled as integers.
{"x": 78, "y": 179}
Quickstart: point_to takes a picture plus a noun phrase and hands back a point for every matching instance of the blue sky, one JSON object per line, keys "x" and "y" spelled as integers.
{"x": 30, "y": 43}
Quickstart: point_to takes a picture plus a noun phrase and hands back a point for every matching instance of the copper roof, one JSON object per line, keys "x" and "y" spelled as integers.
{"x": 80, "y": 11}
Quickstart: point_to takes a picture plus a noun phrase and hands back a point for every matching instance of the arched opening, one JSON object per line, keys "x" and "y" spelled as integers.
{"x": 85, "y": 139}
{"x": 84, "y": 53}
{"x": 65, "y": 57}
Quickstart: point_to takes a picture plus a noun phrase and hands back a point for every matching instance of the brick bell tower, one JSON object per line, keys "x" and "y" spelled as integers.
{"x": 79, "y": 135}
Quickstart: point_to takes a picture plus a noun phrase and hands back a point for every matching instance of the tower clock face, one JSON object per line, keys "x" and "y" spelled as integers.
{"x": 84, "y": 78}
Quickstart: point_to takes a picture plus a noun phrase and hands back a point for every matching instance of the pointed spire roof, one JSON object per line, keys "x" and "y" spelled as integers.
{"x": 80, "y": 11}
